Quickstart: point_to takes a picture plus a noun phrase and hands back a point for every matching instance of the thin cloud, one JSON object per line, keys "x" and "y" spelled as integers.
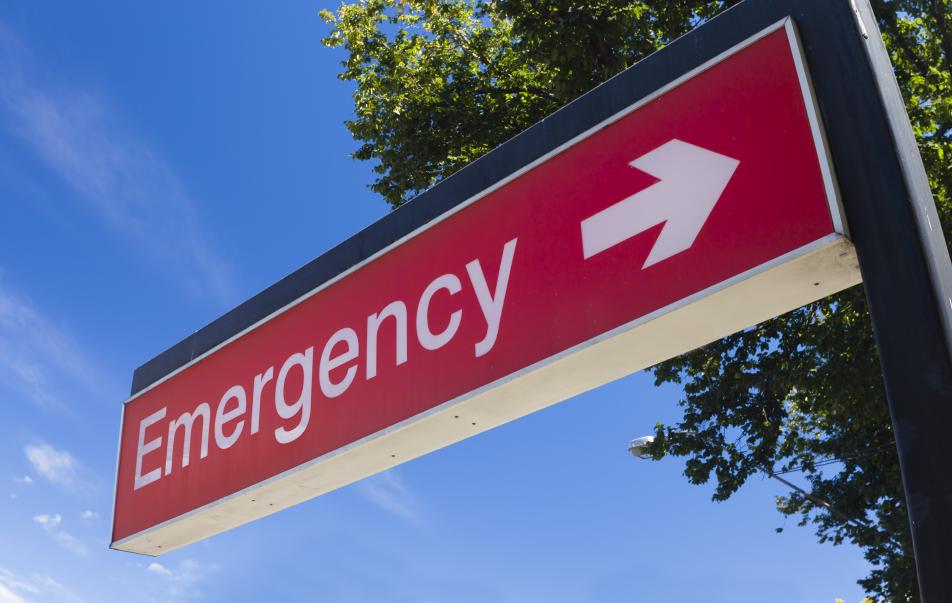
{"x": 89, "y": 515}
{"x": 158, "y": 568}
{"x": 182, "y": 583}
{"x": 389, "y": 492}
{"x": 41, "y": 360}
{"x": 17, "y": 589}
{"x": 48, "y": 522}
{"x": 70, "y": 543}
{"x": 8, "y": 596}
{"x": 63, "y": 593}
{"x": 12, "y": 582}
{"x": 134, "y": 193}
{"x": 58, "y": 466}
{"x": 51, "y": 524}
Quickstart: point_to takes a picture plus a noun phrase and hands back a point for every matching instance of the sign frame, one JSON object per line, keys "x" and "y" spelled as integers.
{"x": 811, "y": 272}
{"x": 885, "y": 195}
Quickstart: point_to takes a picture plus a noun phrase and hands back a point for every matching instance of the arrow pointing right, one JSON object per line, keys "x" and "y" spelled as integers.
{"x": 691, "y": 180}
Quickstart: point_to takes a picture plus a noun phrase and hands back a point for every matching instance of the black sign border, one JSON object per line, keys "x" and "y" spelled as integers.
{"x": 627, "y": 88}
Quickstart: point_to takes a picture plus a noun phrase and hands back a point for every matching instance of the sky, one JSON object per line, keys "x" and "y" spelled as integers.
{"x": 162, "y": 162}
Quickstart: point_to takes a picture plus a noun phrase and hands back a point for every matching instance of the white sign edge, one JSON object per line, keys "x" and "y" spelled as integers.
{"x": 812, "y": 272}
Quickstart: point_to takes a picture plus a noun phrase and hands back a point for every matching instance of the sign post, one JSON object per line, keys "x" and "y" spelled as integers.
{"x": 908, "y": 282}
{"x": 695, "y": 194}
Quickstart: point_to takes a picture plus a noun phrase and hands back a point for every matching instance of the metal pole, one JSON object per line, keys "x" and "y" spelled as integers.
{"x": 908, "y": 279}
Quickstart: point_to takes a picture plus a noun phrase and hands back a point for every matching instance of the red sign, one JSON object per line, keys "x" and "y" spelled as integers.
{"x": 700, "y": 211}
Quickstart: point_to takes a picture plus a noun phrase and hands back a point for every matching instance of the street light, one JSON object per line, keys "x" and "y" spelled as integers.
{"x": 638, "y": 448}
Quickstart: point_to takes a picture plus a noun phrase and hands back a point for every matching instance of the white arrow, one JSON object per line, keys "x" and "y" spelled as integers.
{"x": 691, "y": 181}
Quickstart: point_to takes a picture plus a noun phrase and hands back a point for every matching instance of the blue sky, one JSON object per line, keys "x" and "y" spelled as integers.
{"x": 159, "y": 163}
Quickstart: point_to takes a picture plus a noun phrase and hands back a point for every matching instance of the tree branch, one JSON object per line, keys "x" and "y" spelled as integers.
{"x": 463, "y": 42}
{"x": 892, "y": 25}
{"x": 945, "y": 36}
{"x": 534, "y": 91}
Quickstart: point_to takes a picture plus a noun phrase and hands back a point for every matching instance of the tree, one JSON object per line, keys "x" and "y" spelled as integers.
{"x": 441, "y": 82}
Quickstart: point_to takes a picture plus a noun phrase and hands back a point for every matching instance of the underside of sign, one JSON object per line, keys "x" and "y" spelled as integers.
{"x": 698, "y": 210}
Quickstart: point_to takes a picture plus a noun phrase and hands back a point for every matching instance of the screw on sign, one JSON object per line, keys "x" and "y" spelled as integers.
{"x": 672, "y": 223}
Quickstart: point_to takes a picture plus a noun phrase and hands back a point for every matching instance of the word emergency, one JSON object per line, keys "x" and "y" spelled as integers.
{"x": 340, "y": 356}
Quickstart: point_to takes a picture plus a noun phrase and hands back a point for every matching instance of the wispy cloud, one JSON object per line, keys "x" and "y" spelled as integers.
{"x": 17, "y": 589}
{"x": 60, "y": 467}
{"x": 8, "y": 596}
{"x": 51, "y": 523}
{"x": 389, "y": 492}
{"x": 11, "y": 584}
{"x": 56, "y": 465}
{"x": 182, "y": 583}
{"x": 48, "y": 522}
{"x": 158, "y": 568}
{"x": 133, "y": 191}
{"x": 70, "y": 543}
{"x": 40, "y": 359}
{"x": 89, "y": 515}
{"x": 62, "y": 593}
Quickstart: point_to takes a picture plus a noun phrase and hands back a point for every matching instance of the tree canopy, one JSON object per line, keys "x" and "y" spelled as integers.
{"x": 438, "y": 83}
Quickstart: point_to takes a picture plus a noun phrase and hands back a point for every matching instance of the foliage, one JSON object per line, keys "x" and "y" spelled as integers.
{"x": 806, "y": 387}
{"x": 441, "y": 82}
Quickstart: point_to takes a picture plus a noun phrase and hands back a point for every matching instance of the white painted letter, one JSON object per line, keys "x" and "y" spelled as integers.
{"x": 187, "y": 420}
{"x": 222, "y": 416}
{"x": 398, "y": 310}
{"x": 491, "y": 304}
{"x": 427, "y": 338}
{"x": 260, "y": 381}
{"x": 302, "y": 404}
{"x": 349, "y": 337}
{"x": 143, "y": 449}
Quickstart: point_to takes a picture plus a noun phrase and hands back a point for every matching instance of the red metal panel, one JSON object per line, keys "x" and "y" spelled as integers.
{"x": 748, "y": 107}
